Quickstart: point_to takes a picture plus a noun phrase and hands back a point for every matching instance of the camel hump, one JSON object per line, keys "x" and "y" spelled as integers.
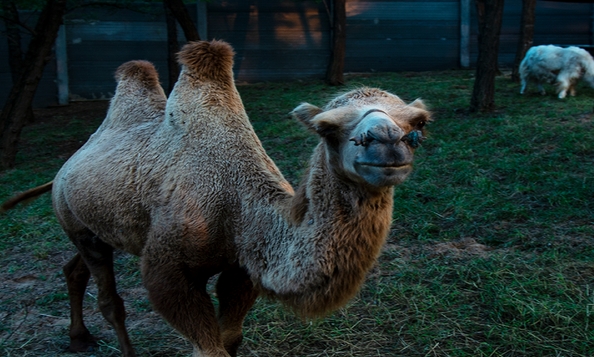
{"x": 139, "y": 70}
{"x": 210, "y": 60}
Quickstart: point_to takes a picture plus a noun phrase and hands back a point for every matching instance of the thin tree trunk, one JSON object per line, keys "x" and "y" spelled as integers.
{"x": 335, "y": 72}
{"x": 483, "y": 94}
{"x": 15, "y": 53}
{"x": 14, "y": 113}
{"x": 172, "y": 48}
{"x": 179, "y": 10}
{"x": 13, "y": 36}
{"x": 526, "y": 35}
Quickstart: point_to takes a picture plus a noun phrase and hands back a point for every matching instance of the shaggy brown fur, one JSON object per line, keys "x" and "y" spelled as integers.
{"x": 191, "y": 190}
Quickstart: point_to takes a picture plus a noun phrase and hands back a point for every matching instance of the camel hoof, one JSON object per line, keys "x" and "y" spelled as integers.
{"x": 85, "y": 344}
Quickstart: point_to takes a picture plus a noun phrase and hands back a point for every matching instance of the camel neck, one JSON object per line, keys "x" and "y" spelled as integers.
{"x": 317, "y": 261}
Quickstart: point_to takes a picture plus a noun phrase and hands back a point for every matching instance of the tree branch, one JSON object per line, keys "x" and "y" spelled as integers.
{"x": 179, "y": 10}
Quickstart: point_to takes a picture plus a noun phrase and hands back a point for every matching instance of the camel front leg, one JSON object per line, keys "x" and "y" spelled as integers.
{"x": 236, "y": 295}
{"x": 179, "y": 295}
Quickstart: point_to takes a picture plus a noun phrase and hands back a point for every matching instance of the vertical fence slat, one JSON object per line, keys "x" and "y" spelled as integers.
{"x": 464, "y": 33}
{"x": 62, "y": 66}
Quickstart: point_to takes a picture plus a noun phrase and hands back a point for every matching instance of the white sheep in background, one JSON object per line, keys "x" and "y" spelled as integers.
{"x": 553, "y": 64}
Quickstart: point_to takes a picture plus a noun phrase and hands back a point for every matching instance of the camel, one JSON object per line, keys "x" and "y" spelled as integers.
{"x": 185, "y": 183}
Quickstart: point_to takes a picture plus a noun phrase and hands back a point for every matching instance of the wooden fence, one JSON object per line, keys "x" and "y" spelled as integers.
{"x": 289, "y": 39}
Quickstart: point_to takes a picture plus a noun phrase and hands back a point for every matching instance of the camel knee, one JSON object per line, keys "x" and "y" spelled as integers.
{"x": 112, "y": 308}
{"x": 71, "y": 266}
{"x": 77, "y": 276}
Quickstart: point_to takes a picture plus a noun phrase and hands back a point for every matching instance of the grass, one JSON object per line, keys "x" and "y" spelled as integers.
{"x": 491, "y": 251}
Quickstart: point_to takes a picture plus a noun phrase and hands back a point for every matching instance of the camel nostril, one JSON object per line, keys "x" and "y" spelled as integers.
{"x": 361, "y": 139}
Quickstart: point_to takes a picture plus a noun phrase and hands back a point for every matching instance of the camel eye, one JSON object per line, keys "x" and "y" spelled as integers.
{"x": 421, "y": 124}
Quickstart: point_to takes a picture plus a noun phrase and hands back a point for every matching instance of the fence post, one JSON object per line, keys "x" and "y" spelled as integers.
{"x": 465, "y": 33}
{"x": 62, "y": 66}
{"x": 592, "y": 24}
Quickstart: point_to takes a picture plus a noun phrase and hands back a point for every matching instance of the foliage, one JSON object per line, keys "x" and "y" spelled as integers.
{"x": 491, "y": 251}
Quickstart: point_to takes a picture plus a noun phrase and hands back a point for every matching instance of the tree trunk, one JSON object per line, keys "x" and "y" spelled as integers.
{"x": 179, "y": 10}
{"x": 15, "y": 53}
{"x": 526, "y": 35}
{"x": 14, "y": 113}
{"x": 13, "y": 36}
{"x": 335, "y": 72}
{"x": 483, "y": 94}
{"x": 172, "y": 48}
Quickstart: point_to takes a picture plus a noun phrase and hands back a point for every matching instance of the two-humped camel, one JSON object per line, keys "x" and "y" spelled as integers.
{"x": 185, "y": 183}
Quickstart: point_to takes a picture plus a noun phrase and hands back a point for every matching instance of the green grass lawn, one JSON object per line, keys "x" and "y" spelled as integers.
{"x": 491, "y": 251}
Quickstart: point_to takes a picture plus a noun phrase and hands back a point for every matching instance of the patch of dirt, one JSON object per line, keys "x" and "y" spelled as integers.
{"x": 35, "y": 311}
{"x": 586, "y": 117}
{"x": 463, "y": 248}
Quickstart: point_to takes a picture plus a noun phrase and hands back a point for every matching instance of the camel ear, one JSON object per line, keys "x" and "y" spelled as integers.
{"x": 328, "y": 123}
{"x": 305, "y": 113}
{"x": 418, "y": 103}
{"x": 325, "y": 123}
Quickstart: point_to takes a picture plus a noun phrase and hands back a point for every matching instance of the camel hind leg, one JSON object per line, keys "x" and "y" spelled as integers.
{"x": 236, "y": 295}
{"x": 77, "y": 277}
{"x": 98, "y": 257}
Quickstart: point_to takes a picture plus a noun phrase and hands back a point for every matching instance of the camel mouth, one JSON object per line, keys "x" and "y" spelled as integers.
{"x": 386, "y": 166}
{"x": 381, "y": 175}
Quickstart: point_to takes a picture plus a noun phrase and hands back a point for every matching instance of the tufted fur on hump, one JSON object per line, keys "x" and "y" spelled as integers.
{"x": 205, "y": 95}
{"x": 208, "y": 61}
{"x": 142, "y": 71}
{"x": 139, "y": 96}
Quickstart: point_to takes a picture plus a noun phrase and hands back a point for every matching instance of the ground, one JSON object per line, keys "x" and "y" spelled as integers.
{"x": 491, "y": 252}
{"x": 34, "y": 308}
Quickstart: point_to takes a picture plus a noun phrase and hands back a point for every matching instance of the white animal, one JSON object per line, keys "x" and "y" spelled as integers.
{"x": 553, "y": 64}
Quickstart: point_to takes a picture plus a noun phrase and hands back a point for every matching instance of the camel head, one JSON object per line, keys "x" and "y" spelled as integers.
{"x": 370, "y": 135}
